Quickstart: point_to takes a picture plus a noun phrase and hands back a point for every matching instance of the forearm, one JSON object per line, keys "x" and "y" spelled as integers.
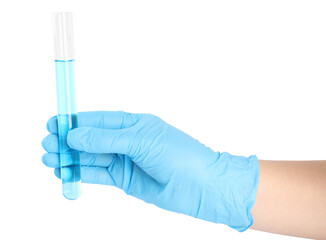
{"x": 291, "y": 198}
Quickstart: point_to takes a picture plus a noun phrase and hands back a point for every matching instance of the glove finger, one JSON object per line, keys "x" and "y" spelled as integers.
{"x": 136, "y": 182}
{"x": 51, "y": 143}
{"x": 95, "y": 175}
{"x": 114, "y": 175}
{"x": 52, "y": 160}
{"x": 100, "y": 119}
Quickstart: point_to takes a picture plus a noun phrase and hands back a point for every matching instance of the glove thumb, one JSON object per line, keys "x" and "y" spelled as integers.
{"x": 97, "y": 140}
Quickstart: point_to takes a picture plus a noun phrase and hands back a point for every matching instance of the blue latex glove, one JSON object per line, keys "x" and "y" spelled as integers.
{"x": 153, "y": 161}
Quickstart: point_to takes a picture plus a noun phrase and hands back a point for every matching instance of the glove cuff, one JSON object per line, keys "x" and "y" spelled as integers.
{"x": 234, "y": 188}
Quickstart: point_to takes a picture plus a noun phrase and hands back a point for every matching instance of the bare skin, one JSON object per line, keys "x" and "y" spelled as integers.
{"x": 291, "y": 198}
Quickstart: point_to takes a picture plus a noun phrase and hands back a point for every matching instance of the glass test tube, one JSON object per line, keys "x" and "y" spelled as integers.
{"x": 66, "y": 97}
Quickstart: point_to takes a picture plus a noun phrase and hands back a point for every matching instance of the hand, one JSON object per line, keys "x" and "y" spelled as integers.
{"x": 153, "y": 161}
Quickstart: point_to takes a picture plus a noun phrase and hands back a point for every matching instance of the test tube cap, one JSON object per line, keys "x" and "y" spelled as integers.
{"x": 63, "y": 36}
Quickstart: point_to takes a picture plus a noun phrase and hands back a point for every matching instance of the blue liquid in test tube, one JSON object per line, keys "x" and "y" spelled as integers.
{"x": 66, "y": 98}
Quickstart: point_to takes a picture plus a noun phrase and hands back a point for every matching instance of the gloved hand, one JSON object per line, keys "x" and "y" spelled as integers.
{"x": 153, "y": 161}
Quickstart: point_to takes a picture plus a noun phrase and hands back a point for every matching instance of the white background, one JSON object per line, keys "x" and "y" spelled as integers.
{"x": 245, "y": 77}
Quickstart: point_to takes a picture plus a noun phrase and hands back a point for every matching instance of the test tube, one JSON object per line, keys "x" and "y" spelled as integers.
{"x": 66, "y": 99}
